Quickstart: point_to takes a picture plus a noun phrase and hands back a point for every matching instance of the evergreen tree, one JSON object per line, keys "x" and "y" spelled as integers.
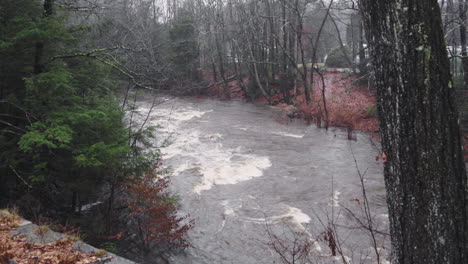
{"x": 60, "y": 120}
{"x": 183, "y": 39}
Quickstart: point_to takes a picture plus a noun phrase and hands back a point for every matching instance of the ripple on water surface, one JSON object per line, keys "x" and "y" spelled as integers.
{"x": 240, "y": 171}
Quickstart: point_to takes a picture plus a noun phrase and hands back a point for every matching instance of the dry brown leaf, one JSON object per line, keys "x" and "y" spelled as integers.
{"x": 22, "y": 252}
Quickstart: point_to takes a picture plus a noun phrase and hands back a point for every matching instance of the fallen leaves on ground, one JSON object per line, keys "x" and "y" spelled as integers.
{"x": 16, "y": 248}
{"x": 347, "y": 103}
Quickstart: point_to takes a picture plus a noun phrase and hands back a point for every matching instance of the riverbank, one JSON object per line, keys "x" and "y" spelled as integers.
{"x": 21, "y": 241}
{"x": 349, "y": 103}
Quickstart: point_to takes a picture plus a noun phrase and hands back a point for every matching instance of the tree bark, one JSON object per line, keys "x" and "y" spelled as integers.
{"x": 317, "y": 39}
{"x": 257, "y": 78}
{"x": 226, "y": 90}
{"x": 463, "y": 9}
{"x": 342, "y": 45}
{"x": 38, "y": 54}
{"x": 362, "y": 51}
{"x": 39, "y": 47}
{"x": 425, "y": 174}
{"x": 307, "y": 87}
{"x": 285, "y": 77}
{"x": 48, "y": 8}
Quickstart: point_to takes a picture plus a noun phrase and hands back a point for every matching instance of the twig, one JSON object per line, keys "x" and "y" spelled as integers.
{"x": 21, "y": 178}
{"x": 367, "y": 210}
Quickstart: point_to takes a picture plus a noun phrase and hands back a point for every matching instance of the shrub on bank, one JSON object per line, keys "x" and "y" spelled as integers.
{"x": 337, "y": 59}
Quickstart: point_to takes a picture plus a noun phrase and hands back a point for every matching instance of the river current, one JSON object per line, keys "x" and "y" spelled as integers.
{"x": 251, "y": 183}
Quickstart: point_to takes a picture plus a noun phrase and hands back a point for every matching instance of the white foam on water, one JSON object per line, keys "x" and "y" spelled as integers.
{"x": 178, "y": 114}
{"x": 277, "y": 133}
{"x": 284, "y": 134}
{"x": 169, "y": 119}
{"x": 228, "y": 210}
{"x": 183, "y": 166}
{"x": 335, "y": 199}
{"x": 183, "y": 143}
{"x": 297, "y": 215}
{"x": 220, "y": 165}
{"x": 213, "y": 161}
{"x": 293, "y": 216}
{"x": 222, "y": 170}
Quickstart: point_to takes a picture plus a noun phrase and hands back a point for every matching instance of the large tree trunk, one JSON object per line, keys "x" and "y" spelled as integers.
{"x": 424, "y": 172}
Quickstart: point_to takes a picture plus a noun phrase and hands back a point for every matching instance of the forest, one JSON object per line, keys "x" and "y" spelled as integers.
{"x": 235, "y": 131}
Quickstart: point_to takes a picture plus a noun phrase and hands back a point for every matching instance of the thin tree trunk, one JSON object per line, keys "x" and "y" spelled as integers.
{"x": 39, "y": 47}
{"x": 316, "y": 43}
{"x": 307, "y": 87}
{"x": 110, "y": 203}
{"x": 324, "y": 99}
{"x": 227, "y": 92}
{"x": 38, "y": 54}
{"x": 463, "y": 9}
{"x": 257, "y": 78}
{"x": 73, "y": 202}
{"x": 284, "y": 69}
{"x": 213, "y": 70}
{"x": 342, "y": 46}
{"x": 271, "y": 40}
{"x": 362, "y": 51}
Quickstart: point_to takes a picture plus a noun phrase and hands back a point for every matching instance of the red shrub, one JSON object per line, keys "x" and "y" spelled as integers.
{"x": 153, "y": 210}
{"x": 346, "y": 103}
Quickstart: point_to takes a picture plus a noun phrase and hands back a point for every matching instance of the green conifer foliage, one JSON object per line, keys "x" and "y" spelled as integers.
{"x": 62, "y": 125}
{"x": 183, "y": 38}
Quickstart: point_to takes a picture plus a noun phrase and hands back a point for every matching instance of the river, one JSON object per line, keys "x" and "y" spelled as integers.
{"x": 250, "y": 182}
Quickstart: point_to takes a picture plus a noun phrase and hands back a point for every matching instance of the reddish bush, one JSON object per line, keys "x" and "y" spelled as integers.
{"x": 346, "y": 103}
{"x": 152, "y": 209}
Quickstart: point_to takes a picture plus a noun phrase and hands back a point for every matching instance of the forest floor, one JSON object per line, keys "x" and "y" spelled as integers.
{"x": 349, "y": 103}
{"x": 41, "y": 246}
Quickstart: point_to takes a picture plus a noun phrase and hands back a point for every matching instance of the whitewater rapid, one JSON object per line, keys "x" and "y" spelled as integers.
{"x": 242, "y": 176}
